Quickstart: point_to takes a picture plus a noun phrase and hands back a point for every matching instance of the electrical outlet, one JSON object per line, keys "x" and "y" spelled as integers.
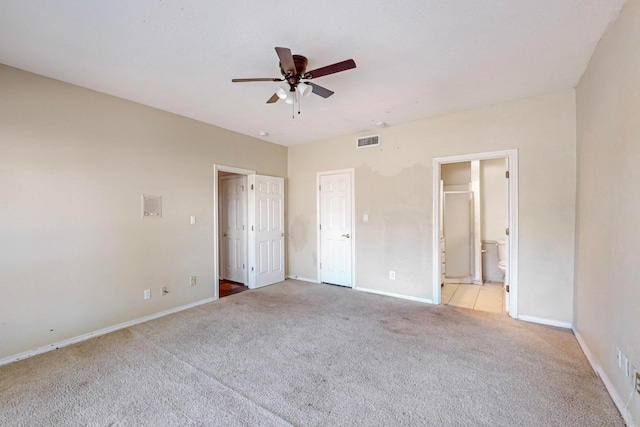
{"x": 392, "y": 275}
{"x": 193, "y": 280}
{"x": 147, "y": 294}
{"x": 163, "y": 291}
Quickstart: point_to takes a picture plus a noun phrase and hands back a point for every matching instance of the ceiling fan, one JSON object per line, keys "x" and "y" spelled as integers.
{"x": 293, "y": 69}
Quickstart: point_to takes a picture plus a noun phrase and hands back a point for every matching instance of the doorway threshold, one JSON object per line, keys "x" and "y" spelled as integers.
{"x": 227, "y": 287}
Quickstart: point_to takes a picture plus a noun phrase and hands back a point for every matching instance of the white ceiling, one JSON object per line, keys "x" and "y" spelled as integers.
{"x": 415, "y": 58}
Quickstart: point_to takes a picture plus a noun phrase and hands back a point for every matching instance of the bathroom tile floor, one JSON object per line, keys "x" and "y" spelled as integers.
{"x": 488, "y": 297}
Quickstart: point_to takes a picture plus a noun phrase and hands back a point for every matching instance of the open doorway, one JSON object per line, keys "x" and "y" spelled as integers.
{"x": 252, "y": 255}
{"x": 231, "y": 228}
{"x": 232, "y": 233}
{"x": 475, "y": 227}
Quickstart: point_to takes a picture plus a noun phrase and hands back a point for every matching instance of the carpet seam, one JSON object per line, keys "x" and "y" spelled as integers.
{"x": 219, "y": 381}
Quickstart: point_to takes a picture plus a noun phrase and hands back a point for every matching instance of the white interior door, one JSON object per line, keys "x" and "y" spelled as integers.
{"x": 335, "y": 229}
{"x": 267, "y": 252}
{"x": 233, "y": 229}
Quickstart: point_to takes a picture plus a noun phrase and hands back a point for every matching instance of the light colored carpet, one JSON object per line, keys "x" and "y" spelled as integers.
{"x": 304, "y": 354}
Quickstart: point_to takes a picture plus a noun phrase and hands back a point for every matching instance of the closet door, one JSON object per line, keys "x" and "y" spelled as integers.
{"x": 335, "y": 228}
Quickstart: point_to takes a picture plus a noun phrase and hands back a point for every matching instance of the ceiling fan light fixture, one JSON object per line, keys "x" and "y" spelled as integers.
{"x": 283, "y": 92}
{"x": 304, "y": 89}
{"x": 290, "y": 98}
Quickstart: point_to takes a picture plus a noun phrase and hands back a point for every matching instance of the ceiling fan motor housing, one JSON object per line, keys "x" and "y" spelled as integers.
{"x": 301, "y": 67}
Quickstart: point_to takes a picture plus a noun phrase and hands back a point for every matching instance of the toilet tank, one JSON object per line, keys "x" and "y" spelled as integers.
{"x": 502, "y": 250}
{"x": 490, "y": 270}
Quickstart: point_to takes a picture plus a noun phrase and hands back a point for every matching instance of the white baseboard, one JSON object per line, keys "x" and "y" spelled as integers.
{"x": 626, "y": 415}
{"x": 303, "y": 279}
{"x": 548, "y": 322}
{"x": 391, "y": 294}
{"x": 84, "y": 337}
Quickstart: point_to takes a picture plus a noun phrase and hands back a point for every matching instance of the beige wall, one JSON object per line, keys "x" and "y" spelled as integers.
{"x": 75, "y": 255}
{"x": 393, "y": 184}
{"x": 607, "y": 303}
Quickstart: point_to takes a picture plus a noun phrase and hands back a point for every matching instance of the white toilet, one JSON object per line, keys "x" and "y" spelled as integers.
{"x": 502, "y": 256}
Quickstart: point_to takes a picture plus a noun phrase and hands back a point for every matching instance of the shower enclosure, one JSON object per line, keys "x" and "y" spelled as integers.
{"x": 458, "y": 230}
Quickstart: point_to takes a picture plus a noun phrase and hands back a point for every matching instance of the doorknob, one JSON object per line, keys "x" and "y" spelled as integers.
{"x": 346, "y": 235}
{"x": 224, "y": 234}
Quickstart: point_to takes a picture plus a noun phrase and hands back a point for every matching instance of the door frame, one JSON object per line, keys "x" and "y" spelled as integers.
{"x": 216, "y": 241}
{"x": 511, "y": 275}
{"x": 351, "y": 172}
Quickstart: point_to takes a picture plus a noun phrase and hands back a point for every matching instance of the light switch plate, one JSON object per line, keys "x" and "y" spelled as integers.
{"x": 627, "y": 366}
{"x": 619, "y": 356}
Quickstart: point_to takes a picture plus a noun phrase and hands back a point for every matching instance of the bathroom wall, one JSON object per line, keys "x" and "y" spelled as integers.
{"x": 456, "y": 174}
{"x": 493, "y": 216}
{"x": 607, "y": 302}
{"x": 493, "y": 199}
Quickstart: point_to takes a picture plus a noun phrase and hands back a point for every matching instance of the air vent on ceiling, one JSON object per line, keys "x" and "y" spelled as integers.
{"x": 368, "y": 141}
